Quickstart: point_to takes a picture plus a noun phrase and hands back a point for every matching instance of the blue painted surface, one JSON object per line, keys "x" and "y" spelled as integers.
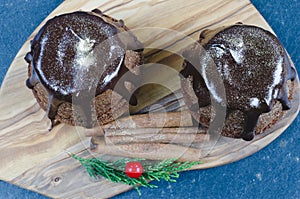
{"x": 273, "y": 172}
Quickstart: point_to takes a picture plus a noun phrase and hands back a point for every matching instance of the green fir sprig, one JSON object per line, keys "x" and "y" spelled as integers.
{"x": 114, "y": 171}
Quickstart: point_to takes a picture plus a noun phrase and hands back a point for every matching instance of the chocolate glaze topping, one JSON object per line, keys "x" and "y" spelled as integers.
{"x": 253, "y": 66}
{"x": 79, "y": 55}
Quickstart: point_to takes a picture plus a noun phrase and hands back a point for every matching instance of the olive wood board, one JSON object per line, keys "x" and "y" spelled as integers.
{"x": 34, "y": 158}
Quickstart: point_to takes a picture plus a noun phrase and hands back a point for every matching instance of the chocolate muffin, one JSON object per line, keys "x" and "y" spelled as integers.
{"x": 75, "y": 62}
{"x": 243, "y": 69}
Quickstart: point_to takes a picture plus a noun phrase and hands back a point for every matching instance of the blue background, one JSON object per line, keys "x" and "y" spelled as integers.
{"x": 273, "y": 172}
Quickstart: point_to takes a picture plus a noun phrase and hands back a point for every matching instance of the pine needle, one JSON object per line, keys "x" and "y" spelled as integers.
{"x": 115, "y": 171}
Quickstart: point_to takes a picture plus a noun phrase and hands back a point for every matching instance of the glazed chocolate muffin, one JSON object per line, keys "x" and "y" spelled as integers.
{"x": 76, "y": 61}
{"x": 252, "y": 81}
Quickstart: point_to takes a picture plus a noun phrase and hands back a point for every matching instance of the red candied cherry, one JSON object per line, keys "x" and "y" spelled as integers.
{"x": 134, "y": 169}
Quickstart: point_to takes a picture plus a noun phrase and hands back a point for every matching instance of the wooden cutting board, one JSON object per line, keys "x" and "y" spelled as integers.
{"x": 34, "y": 158}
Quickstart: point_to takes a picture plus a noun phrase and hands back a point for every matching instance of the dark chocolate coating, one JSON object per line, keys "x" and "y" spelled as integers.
{"x": 79, "y": 56}
{"x": 254, "y": 69}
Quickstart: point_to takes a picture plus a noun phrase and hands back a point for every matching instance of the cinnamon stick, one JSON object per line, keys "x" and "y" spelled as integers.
{"x": 151, "y": 151}
{"x": 155, "y": 130}
{"x": 159, "y": 138}
{"x": 184, "y": 136}
{"x": 165, "y": 119}
{"x": 151, "y": 120}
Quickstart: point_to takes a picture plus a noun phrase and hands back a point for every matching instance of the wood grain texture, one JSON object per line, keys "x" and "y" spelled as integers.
{"x": 34, "y": 158}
